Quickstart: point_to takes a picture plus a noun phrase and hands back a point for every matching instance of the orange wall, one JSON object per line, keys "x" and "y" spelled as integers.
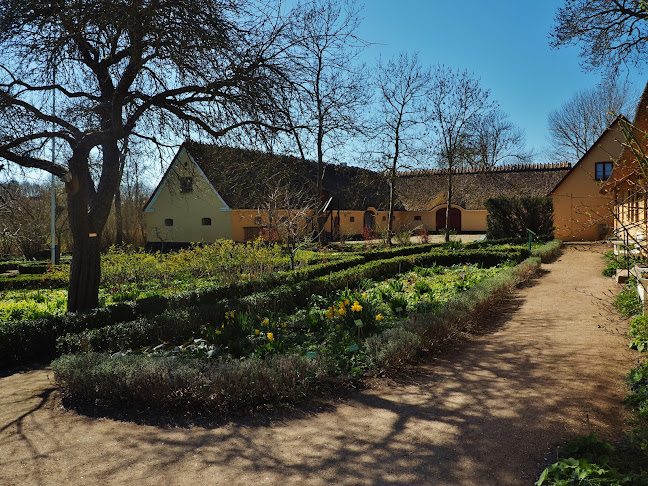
{"x": 581, "y": 213}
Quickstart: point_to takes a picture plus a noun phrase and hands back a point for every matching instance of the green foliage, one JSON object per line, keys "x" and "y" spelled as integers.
{"x": 589, "y": 461}
{"x": 509, "y": 217}
{"x": 330, "y": 337}
{"x": 639, "y": 331}
{"x": 548, "y": 252}
{"x": 637, "y": 380}
{"x": 628, "y": 302}
{"x": 618, "y": 261}
{"x": 33, "y": 304}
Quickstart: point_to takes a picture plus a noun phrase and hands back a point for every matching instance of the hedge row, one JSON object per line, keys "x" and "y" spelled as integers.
{"x": 183, "y": 324}
{"x": 31, "y": 281}
{"x": 385, "y": 254}
{"x": 136, "y": 381}
{"x": 508, "y": 241}
{"x": 36, "y": 338}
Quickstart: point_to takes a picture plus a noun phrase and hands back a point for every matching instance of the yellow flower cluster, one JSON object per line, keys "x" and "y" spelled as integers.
{"x": 356, "y": 307}
{"x": 229, "y": 315}
{"x": 379, "y": 317}
{"x": 270, "y": 336}
{"x": 332, "y": 312}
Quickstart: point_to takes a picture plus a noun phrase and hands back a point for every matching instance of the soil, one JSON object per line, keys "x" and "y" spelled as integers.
{"x": 491, "y": 410}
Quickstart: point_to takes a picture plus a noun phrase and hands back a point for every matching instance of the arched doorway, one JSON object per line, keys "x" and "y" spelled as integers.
{"x": 369, "y": 220}
{"x": 455, "y": 219}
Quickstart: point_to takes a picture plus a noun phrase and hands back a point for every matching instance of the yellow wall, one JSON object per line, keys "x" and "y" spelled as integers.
{"x": 581, "y": 213}
{"x": 186, "y": 209}
{"x": 631, "y": 213}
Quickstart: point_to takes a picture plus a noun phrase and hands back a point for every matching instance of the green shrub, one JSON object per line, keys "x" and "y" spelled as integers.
{"x": 549, "y": 251}
{"x": 639, "y": 331}
{"x": 392, "y": 348}
{"x": 510, "y": 217}
{"x": 628, "y": 302}
{"x": 283, "y": 298}
{"x": 171, "y": 383}
{"x": 615, "y": 262}
{"x": 387, "y": 253}
{"x": 195, "y": 385}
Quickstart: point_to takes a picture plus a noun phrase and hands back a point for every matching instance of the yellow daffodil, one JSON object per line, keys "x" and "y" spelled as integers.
{"x": 266, "y": 321}
{"x": 356, "y": 307}
{"x": 257, "y": 332}
{"x": 342, "y": 311}
{"x": 270, "y": 336}
{"x": 346, "y": 302}
{"x": 379, "y": 317}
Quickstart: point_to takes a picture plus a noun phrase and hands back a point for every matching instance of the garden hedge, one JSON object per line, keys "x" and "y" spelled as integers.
{"x": 37, "y": 338}
{"x": 284, "y": 298}
{"x": 226, "y": 385}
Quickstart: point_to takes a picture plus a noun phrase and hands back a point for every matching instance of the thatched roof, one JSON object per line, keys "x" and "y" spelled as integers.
{"x": 244, "y": 178}
{"x": 423, "y": 190}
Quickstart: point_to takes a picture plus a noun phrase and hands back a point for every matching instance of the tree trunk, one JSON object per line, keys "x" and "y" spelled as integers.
{"x": 447, "y": 228}
{"x": 390, "y": 228}
{"x": 88, "y": 212}
{"x": 85, "y": 273}
{"x": 119, "y": 220}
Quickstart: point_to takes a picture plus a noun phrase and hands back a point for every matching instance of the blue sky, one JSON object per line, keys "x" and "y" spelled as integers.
{"x": 504, "y": 42}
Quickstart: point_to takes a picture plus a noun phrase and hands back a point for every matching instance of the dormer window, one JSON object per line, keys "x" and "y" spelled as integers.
{"x": 168, "y": 222}
{"x": 206, "y": 221}
{"x": 186, "y": 185}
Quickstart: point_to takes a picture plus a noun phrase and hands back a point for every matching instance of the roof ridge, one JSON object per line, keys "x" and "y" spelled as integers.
{"x": 498, "y": 168}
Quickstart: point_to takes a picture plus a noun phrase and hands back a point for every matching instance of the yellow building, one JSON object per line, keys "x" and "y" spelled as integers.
{"x": 210, "y": 192}
{"x": 627, "y": 182}
{"x": 581, "y": 212}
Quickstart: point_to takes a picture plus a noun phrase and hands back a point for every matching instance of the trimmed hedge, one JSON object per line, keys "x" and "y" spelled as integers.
{"x": 385, "y": 254}
{"x": 37, "y": 338}
{"x": 142, "y": 332}
{"x": 191, "y": 384}
{"x": 31, "y": 281}
{"x": 549, "y": 251}
{"x": 197, "y": 385}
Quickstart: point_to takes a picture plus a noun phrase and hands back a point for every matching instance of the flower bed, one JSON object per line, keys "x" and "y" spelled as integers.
{"x": 376, "y": 324}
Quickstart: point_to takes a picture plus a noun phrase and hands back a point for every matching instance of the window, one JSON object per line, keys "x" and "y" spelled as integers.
{"x": 351, "y": 219}
{"x": 186, "y": 185}
{"x": 206, "y": 221}
{"x": 251, "y": 232}
{"x": 258, "y": 220}
{"x": 417, "y": 218}
{"x": 384, "y": 218}
{"x": 168, "y": 222}
{"x": 602, "y": 170}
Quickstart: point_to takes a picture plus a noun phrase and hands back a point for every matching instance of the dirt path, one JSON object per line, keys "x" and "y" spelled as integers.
{"x": 486, "y": 413}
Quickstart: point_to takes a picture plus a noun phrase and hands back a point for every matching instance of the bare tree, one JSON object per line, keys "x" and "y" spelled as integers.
{"x": 495, "y": 140}
{"x": 403, "y": 85}
{"x": 578, "y": 123}
{"x": 456, "y": 101}
{"x": 291, "y": 213}
{"x": 331, "y": 87}
{"x": 610, "y": 32}
{"x": 120, "y": 69}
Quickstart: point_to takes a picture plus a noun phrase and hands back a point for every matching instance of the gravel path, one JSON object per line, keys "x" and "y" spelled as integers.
{"x": 490, "y": 411}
